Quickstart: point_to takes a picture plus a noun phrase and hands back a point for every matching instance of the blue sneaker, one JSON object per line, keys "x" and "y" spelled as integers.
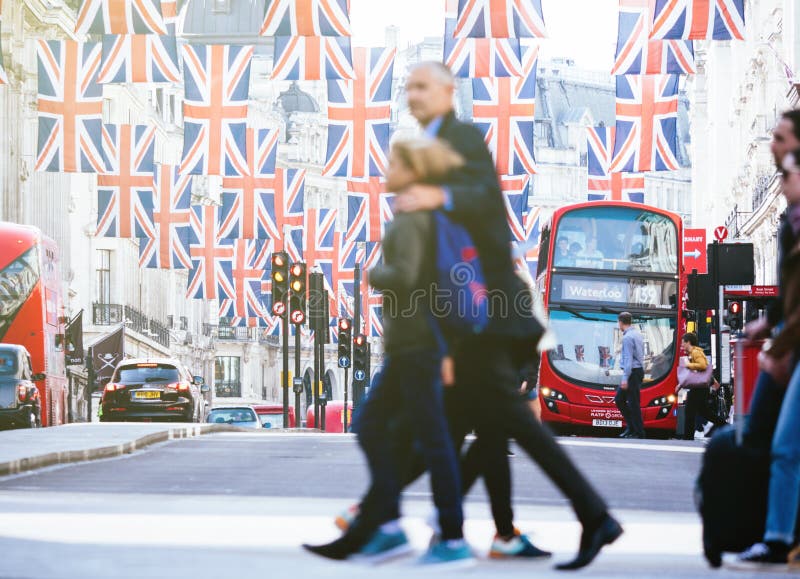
{"x": 382, "y": 547}
{"x": 448, "y": 555}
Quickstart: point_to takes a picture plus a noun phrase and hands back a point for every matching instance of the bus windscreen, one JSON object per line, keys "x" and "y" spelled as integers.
{"x": 618, "y": 239}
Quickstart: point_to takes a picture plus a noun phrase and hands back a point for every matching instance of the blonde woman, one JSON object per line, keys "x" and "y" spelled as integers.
{"x": 405, "y": 406}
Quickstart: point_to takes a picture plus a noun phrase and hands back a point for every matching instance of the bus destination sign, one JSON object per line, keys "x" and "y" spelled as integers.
{"x": 640, "y": 293}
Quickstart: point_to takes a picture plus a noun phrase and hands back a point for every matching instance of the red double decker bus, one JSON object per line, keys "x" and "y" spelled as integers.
{"x": 597, "y": 260}
{"x": 31, "y": 310}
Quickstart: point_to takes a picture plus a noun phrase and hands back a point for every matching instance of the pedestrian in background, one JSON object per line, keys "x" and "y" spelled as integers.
{"x": 696, "y": 396}
{"x": 632, "y": 363}
{"x": 780, "y": 363}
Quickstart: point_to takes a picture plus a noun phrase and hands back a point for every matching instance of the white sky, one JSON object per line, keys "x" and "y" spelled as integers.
{"x": 585, "y": 30}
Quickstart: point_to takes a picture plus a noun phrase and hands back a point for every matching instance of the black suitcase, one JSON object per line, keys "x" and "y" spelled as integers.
{"x": 731, "y": 495}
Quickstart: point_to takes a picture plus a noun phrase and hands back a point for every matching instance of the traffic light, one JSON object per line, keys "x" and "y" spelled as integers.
{"x": 735, "y": 317}
{"x": 280, "y": 282}
{"x": 345, "y": 335}
{"x": 360, "y": 361}
{"x": 297, "y": 295}
{"x": 316, "y": 302}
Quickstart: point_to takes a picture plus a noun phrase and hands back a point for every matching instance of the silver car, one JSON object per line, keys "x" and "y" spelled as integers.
{"x": 241, "y": 416}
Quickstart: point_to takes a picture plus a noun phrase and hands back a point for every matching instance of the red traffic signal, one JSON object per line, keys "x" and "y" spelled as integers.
{"x": 734, "y": 307}
{"x": 279, "y": 259}
{"x": 360, "y": 340}
{"x": 344, "y": 324}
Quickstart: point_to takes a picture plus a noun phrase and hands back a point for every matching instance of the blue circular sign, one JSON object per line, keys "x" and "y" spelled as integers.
{"x": 359, "y": 374}
{"x": 344, "y": 362}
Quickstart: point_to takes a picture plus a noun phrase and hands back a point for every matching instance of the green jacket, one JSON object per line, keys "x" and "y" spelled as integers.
{"x": 405, "y": 277}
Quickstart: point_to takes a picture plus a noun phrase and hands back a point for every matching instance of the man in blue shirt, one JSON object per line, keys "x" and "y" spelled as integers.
{"x": 632, "y": 358}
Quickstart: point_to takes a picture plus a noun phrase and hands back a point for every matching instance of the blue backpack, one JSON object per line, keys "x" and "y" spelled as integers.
{"x": 462, "y": 300}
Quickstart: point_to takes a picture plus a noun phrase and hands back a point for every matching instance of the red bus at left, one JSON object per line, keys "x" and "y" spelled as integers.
{"x": 31, "y": 310}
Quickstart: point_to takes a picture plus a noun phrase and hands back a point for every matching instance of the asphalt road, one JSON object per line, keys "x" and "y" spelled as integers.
{"x": 631, "y": 475}
{"x": 234, "y": 504}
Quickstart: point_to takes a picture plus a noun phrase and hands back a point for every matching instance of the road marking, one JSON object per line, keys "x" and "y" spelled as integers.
{"x": 338, "y": 437}
{"x": 634, "y": 446}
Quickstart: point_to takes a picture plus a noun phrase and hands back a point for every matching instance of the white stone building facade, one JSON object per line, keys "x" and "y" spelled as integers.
{"x": 738, "y": 95}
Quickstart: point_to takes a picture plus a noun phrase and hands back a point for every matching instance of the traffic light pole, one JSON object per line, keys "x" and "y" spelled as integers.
{"x": 720, "y": 312}
{"x": 344, "y": 426}
{"x": 317, "y": 377}
{"x": 357, "y": 300}
{"x": 296, "y": 375}
{"x": 285, "y": 377}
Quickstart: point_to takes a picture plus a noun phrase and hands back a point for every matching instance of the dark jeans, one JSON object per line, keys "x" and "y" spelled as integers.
{"x": 405, "y": 409}
{"x": 697, "y": 405}
{"x": 487, "y": 374}
{"x": 628, "y": 402}
{"x": 765, "y": 408}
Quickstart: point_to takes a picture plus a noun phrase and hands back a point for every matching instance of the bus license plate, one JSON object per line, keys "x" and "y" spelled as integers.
{"x": 147, "y": 395}
{"x": 607, "y": 423}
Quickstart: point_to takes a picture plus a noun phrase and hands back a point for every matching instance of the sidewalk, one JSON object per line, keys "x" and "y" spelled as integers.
{"x": 29, "y": 449}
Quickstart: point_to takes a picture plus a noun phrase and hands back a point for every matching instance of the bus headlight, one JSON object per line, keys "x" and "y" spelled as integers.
{"x": 551, "y": 394}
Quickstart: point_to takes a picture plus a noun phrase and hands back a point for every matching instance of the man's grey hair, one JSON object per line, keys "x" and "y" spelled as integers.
{"x": 440, "y": 71}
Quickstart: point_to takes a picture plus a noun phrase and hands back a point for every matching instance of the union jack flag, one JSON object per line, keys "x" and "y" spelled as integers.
{"x": 604, "y": 185}
{"x": 516, "y": 191}
{"x": 529, "y": 250}
{"x": 70, "y": 108}
{"x": 242, "y": 278}
{"x": 125, "y": 190}
{"x": 321, "y": 245}
{"x": 373, "y": 314}
{"x": 217, "y": 88}
{"x": 167, "y": 245}
{"x": 169, "y": 10}
{"x": 285, "y": 209}
{"x": 245, "y": 212}
{"x": 637, "y": 54}
{"x": 503, "y": 109}
{"x": 481, "y": 57}
{"x": 132, "y": 58}
{"x": 500, "y": 19}
{"x": 369, "y": 209}
{"x": 120, "y": 17}
{"x": 312, "y": 58}
{"x": 358, "y": 116}
{"x": 647, "y": 124}
{"x": 208, "y": 251}
{"x": 698, "y": 20}
{"x": 307, "y": 18}
{"x": 368, "y": 255}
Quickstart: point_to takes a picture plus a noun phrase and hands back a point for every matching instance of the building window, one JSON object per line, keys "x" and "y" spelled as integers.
{"x": 227, "y": 380}
{"x": 104, "y": 276}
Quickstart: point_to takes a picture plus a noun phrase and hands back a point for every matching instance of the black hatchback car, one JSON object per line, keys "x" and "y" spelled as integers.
{"x": 153, "y": 390}
{"x": 20, "y": 404}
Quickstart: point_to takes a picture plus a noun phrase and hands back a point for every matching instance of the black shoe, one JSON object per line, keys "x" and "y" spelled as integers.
{"x": 770, "y": 553}
{"x": 625, "y": 433}
{"x": 592, "y": 541}
{"x": 635, "y": 436}
{"x": 337, "y": 550}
